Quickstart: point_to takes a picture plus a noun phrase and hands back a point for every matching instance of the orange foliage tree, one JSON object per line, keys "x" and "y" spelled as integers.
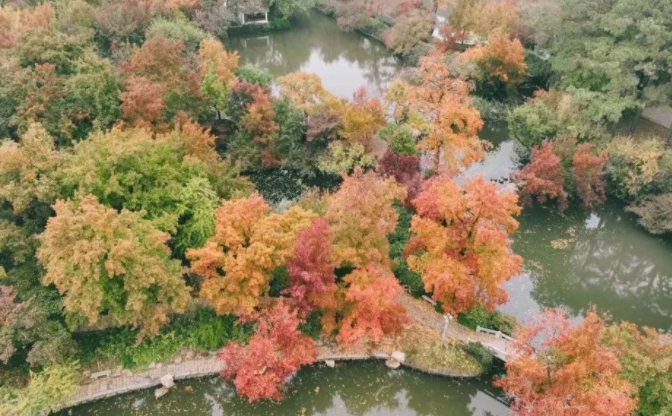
{"x": 588, "y": 174}
{"x": 237, "y": 262}
{"x": 501, "y": 58}
{"x": 564, "y": 371}
{"x": 460, "y": 244}
{"x": 361, "y": 217}
{"x": 260, "y": 118}
{"x": 275, "y": 351}
{"x": 371, "y": 310}
{"x": 449, "y": 124}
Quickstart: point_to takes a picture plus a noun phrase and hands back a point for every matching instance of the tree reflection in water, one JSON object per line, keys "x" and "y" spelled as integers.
{"x": 608, "y": 261}
{"x": 351, "y": 389}
{"x": 344, "y": 61}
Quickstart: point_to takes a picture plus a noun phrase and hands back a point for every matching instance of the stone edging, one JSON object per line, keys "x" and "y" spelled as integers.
{"x": 112, "y": 386}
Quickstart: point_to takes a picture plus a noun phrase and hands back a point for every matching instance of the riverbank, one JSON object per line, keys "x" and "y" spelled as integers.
{"x": 420, "y": 341}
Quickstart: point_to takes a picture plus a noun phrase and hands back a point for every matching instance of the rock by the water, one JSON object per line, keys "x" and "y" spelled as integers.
{"x": 392, "y": 363}
{"x": 101, "y": 374}
{"x": 399, "y": 356}
{"x": 160, "y": 392}
{"x": 189, "y": 355}
{"x": 167, "y": 381}
{"x": 330, "y": 363}
{"x": 178, "y": 360}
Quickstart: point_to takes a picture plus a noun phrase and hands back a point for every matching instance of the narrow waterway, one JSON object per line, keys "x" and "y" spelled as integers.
{"x": 599, "y": 258}
{"x": 352, "y": 389}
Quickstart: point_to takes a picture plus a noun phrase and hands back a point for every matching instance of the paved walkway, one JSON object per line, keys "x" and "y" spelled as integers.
{"x": 419, "y": 311}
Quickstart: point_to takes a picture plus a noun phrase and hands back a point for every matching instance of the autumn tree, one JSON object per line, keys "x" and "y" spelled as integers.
{"x": 460, "y": 244}
{"x": 276, "y": 351}
{"x": 405, "y": 169}
{"x": 362, "y": 118}
{"x": 159, "y": 68}
{"x": 361, "y": 217}
{"x": 27, "y": 169}
{"x": 216, "y": 69}
{"x": 588, "y": 169}
{"x": 259, "y": 120}
{"x": 500, "y": 61}
{"x": 237, "y": 262}
{"x": 646, "y": 363}
{"x": 410, "y": 28}
{"x": 312, "y": 281}
{"x": 111, "y": 267}
{"x": 562, "y": 370}
{"x": 371, "y": 309}
{"x": 543, "y": 178}
{"x": 438, "y": 104}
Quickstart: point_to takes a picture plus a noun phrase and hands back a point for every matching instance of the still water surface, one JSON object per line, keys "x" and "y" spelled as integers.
{"x": 599, "y": 258}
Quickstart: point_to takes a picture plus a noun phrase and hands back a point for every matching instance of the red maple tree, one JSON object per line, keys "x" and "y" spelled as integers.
{"x": 543, "y": 177}
{"x": 588, "y": 174}
{"x": 276, "y": 351}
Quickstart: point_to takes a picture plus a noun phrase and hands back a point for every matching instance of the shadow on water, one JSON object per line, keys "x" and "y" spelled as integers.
{"x": 344, "y": 61}
{"x": 356, "y": 389}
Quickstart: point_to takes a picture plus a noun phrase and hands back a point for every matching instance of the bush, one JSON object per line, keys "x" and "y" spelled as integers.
{"x": 480, "y": 353}
{"x": 398, "y": 240}
{"x": 313, "y": 325}
{"x": 496, "y": 320}
{"x": 254, "y": 75}
{"x": 200, "y": 330}
{"x": 399, "y": 138}
{"x": 179, "y": 29}
{"x": 45, "y": 392}
{"x": 492, "y": 110}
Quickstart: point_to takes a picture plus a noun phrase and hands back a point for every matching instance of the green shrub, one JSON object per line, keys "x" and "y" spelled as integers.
{"x": 495, "y": 320}
{"x": 480, "y": 353}
{"x": 313, "y": 325}
{"x": 400, "y": 138}
{"x": 254, "y": 75}
{"x": 45, "y": 392}
{"x": 177, "y": 29}
{"x": 200, "y": 330}
{"x": 398, "y": 240}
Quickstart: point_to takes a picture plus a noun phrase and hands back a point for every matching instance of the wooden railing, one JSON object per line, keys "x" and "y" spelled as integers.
{"x": 497, "y": 334}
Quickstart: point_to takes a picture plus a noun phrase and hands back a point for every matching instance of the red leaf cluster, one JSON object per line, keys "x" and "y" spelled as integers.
{"x": 274, "y": 353}
{"x": 543, "y": 177}
{"x": 405, "y": 169}
{"x": 311, "y": 270}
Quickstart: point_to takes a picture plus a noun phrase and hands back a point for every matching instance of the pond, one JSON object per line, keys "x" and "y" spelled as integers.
{"x": 315, "y": 44}
{"x": 574, "y": 261}
{"x": 366, "y": 388}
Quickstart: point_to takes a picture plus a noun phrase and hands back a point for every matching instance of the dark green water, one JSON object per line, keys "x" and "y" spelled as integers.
{"x": 600, "y": 258}
{"x": 344, "y": 61}
{"x": 365, "y": 388}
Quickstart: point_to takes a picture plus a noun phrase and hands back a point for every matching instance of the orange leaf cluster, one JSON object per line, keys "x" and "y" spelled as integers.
{"x": 237, "y": 262}
{"x": 260, "y": 118}
{"x": 372, "y": 311}
{"x": 14, "y": 22}
{"x": 451, "y": 125}
{"x": 212, "y": 57}
{"x": 543, "y": 177}
{"x": 361, "y": 217}
{"x": 588, "y": 174}
{"x": 501, "y": 58}
{"x": 565, "y": 371}
{"x": 461, "y": 244}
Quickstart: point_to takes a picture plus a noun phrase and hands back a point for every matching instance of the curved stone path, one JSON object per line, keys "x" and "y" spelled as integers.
{"x": 120, "y": 382}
